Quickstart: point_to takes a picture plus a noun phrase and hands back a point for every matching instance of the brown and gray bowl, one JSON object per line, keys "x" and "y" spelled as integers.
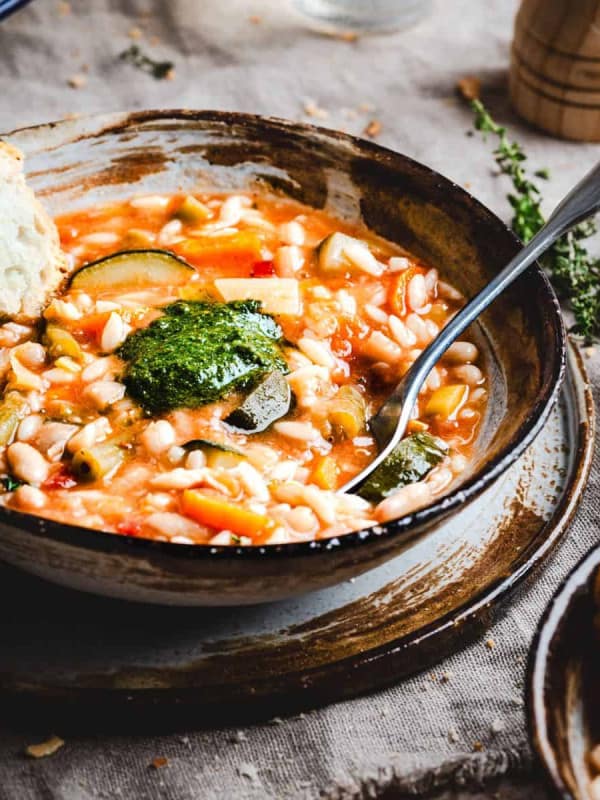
{"x": 564, "y": 682}
{"x": 73, "y": 164}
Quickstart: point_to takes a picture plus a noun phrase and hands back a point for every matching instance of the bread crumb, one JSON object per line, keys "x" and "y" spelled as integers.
{"x": 238, "y": 736}
{"x": 255, "y": 19}
{"x": 453, "y": 735}
{"x": 446, "y": 676}
{"x": 43, "y": 749}
{"x": 248, "y": 771}
{"x": 154, "y": 40}
{"x": 63, "y": 9}
{"x": 72, "y": 115}
{"x": 477, "y": 747}
{"x": 490, "y": 643}
{"x": 497, "y": 726}
{"x": 135, "y": 33}
{"x": 366, "y": 108}
{"x": 344, "y": 36}
{"x": 158, "y": 762}
{"x": 170, "y": 76}
{"x": 313, "y": 110}
{"x": 469, "y": 87}
{"x": 373, "y": 129}
{"x": 77, "y": 81}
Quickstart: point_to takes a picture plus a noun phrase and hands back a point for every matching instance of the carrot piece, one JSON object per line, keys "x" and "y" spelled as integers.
{"x": 222, "y": 515}
{"x": 397, "y": 296}
{"x": 93, "y": 324}
{"x": 416, "y": 426}
{"x": 240, "y": 251}
{"x": 325, "y": 474}
{"x": 447, "y": 401}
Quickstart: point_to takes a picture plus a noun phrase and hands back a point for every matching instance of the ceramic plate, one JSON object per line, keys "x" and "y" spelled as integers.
{"x": 355, "y": 637}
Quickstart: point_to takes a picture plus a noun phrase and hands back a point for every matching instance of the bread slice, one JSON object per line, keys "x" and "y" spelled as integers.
{"x": 32, "y": 265}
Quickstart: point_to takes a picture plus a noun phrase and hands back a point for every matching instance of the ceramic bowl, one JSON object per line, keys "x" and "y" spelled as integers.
{"x": 72, "y": 164}
{"x": 564, "y": 682}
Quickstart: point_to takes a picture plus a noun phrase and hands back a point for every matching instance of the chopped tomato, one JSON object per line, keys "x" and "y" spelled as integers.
{"x": 62, "y": 478}
{"x": 92, "y": 325}
{"x": 263, "y": 269}
{"x": 129, "y": 527}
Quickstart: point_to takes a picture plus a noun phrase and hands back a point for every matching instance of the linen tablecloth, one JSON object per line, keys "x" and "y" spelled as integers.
{"x": 59, "y": 58}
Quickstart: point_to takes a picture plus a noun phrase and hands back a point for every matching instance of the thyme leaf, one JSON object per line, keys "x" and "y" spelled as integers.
{"x": 573, "y": 271}
{"x": 158, "y": 69}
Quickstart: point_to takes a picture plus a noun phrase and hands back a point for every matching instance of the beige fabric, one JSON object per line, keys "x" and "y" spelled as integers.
{"x": 419, "y": 734}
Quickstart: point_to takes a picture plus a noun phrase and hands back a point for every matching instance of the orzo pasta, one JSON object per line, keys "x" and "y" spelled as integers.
{"x": 206, "y": 377}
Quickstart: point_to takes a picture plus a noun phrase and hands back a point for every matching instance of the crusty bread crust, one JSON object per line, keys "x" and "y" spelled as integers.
{"x": 32, "y": 265}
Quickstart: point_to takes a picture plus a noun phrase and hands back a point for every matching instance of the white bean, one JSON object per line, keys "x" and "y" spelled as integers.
{"x": 158, "y": 437}
{"x": 431, "y": 279}
{"x": 376, "y": 314}
{"x": 32, "y": 354}
{"x": 292, "y": 233}
{"x": 404, "y": 501}
{"x": 416, "y": 294}
{"x": 399, "y": 263}
{"x": 461, "y": 353}
{"x": 317, "y": 352}
{"x": 30, "y": 497}
{"x": 113, "y": 334}
{"x": 288, "y": 260}
{"x": 195, "y": 460}
{"x": 178, "y": 478}
{"x": 401, "y": 333}
{"x": 362, "y": 258}
{"x": 150, "y": 202}
{"x": 469, "y": 374}
{"x": 448, "y": 292}
{"x": 380, "y": 347}
{"x": 58, "y": 376}
{"x": 103, "y": 394}
{"x": 170, "y": 232}
{"x": 300, "y": 431}
{"x": 172, "y": 524}
{"x": 27, "y": 464}
{"x": 92, "y": 433}
{"x": 418, "y": 326}
{"x": 97, "y": 369}
{"x": 28, "y": 427}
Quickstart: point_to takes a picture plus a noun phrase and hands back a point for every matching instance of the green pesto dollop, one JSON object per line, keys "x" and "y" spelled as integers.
{"x": 198, "y": 352}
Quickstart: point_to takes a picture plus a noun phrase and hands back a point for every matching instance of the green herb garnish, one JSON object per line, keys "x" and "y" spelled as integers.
{"x": 198, "y": 352}
{"x": 10, "y": 483}
{"x": 158, "y": 69}
{"x": 573, "y": 271}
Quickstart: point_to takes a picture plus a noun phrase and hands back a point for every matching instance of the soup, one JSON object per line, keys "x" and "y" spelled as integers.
{"x": 207, "y": 375}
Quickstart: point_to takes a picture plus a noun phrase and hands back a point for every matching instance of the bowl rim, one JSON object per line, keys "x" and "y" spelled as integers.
{"x": 540, "y": 659}
{"x": 105, "y": 541}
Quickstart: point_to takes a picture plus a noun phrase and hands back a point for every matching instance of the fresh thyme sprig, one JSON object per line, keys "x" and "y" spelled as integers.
{"x": 158, "y": 69}
{"x": 574, "y": 272}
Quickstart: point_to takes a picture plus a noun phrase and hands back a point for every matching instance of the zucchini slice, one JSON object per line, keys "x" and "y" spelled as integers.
{"x": 132, "y": 269}
{"x": 410, "y": 462}
{"x": 217, "y": 454}
{"x": 269, "y": 401}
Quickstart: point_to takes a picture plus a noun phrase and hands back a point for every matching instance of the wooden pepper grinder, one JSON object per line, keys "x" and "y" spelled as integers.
{"x": 555, "y": 67}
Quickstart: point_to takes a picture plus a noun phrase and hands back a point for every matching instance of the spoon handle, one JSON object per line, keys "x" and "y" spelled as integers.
{"x": 389, "y": 424}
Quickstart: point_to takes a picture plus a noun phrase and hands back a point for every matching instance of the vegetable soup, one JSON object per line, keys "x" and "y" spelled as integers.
{"x": 207, "y": 375}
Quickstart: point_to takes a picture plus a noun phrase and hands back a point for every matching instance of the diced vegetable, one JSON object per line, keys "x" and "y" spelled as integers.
{"x": 398, "y": 289}
{"x": 192, "y": 211}
{"x": 93, "y": 463}
{"x": 61, "y": 343}
{"x": 447, "y": 401}
{"x": 268, "y": 402}
{"x": 12, "y": 409}
{"x": 238, "y": 251}
{"x": 325, "y": 473}
{"x": 277, "y": 295}
{"x": 223, "y": 515}
{"x": 408, "y": 463}
{"x": 330, "y": 253}
{"x": 217, "y": 454}
{"x": 137, "y": 239}
{"x": 348, "y": 411}
{"x": 132, "y": 269}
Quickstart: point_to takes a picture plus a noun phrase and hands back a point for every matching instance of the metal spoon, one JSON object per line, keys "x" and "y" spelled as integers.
{"x": 389, "y": 424}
